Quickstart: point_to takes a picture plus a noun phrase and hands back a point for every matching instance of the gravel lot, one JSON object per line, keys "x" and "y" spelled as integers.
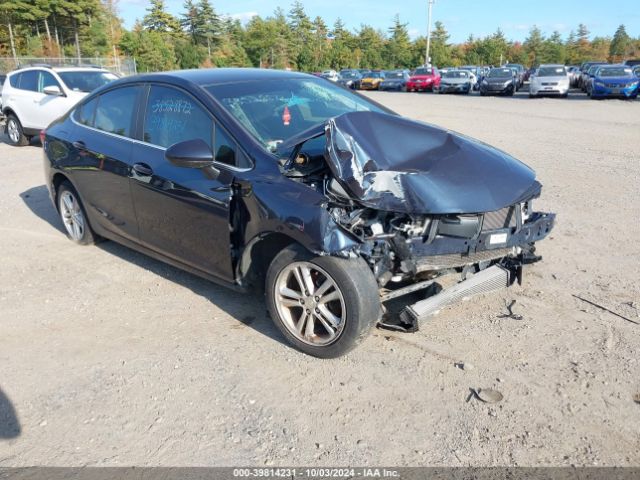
{"x": 108, "y": 357}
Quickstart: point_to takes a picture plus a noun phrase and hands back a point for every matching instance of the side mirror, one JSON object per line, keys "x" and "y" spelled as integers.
{"x": 52, "y": 90}
{"x": 190, "y": 154}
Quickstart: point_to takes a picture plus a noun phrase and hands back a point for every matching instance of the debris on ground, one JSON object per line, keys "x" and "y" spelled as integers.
{"x": 509, "y": 307}
{"x": 464, "y": 365}
{"x": 486, "y": 395}
{"x": 602, "y": 307}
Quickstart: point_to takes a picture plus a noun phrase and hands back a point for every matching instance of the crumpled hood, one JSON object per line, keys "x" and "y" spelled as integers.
{"x": 392, "y": 163}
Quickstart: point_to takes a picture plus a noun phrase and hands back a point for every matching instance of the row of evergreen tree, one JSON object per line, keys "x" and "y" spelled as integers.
{"x": 199, "y": 36}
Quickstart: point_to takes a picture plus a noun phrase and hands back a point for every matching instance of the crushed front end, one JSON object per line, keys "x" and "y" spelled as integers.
{"x": 412, "y": 252}
{"x": 423, "y": 204}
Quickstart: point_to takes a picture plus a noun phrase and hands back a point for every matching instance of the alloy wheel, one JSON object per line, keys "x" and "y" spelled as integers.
{"x": 13, "y": 130}
{"x": 310, "y": 303}
{"x": 72, "y": 215}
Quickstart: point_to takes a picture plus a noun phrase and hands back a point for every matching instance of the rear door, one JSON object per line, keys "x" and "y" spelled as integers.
{"x": 183, "y": 213}
{"x": 23, "y": 96}
{"x": 101, "y": 149}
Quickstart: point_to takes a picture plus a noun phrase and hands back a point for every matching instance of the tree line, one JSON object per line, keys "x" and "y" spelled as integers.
{"x": 200, "y": 37}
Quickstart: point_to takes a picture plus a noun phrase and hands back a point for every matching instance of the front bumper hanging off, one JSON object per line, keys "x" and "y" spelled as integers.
{"x": 502, "y": 274}
{"x": 488, "y": 280}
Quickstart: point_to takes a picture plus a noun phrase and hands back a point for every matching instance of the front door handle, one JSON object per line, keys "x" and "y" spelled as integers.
{"x": 79, "y": 145}
{"x": 143, "y": 169}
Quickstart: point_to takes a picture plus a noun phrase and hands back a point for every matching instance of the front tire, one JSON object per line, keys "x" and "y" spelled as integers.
{"x": 73, "y": 215}
{"x": 16, "y": 135}
{"x": 324, "y": 306}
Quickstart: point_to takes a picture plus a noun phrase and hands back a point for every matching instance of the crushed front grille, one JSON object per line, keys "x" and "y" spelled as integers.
{"x": 456, "y": 260}
{"x": 503, "y": 218}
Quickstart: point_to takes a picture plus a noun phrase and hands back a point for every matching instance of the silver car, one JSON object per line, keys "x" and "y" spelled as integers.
{"x": 456, "y": 81}
{"x": 549, "y": 80}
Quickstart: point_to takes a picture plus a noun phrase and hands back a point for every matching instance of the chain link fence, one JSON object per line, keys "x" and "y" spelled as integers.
{"x": 123, "y": 66}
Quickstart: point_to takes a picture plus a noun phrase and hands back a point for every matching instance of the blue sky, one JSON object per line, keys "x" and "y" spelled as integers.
{"x": 461, "y": 17}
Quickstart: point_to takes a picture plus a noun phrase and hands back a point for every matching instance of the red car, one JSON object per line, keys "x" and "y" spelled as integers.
{"x": 424, "y": 78}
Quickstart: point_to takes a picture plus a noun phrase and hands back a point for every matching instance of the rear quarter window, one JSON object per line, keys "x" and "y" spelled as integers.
{"x": 14, "y": 80}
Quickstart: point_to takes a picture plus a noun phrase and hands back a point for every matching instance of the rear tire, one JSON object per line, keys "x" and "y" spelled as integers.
{"x": 73, "y": 215}
{"x": 15, "y": 132}
{"x": 320, "y": 320}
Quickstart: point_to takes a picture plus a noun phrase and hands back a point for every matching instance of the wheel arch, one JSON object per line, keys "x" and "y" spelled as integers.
{"x": 258, "y": 254}
{"x": 57, "y": 180}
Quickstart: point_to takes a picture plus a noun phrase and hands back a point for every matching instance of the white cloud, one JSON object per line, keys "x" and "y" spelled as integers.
{"x": 413, "y": 33}
{"x": 244, "y": 17}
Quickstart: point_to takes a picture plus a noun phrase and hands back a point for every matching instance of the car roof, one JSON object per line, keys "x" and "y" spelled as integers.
{"x": 59, "y": 69}
{"x": 212, "y": 76}
{"x": 552, "y": 65}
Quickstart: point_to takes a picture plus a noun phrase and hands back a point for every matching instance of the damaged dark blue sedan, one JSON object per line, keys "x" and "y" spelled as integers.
{"x": 280, "y": 182}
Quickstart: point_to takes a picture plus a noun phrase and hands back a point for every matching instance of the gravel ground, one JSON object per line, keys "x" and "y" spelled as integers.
{"x": 108, "y": 357}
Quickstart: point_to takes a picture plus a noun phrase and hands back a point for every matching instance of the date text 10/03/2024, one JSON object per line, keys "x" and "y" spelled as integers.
{"x": 315, "y": 472}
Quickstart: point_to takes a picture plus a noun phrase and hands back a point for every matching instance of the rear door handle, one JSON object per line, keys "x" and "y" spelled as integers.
{"x": 143, "y": 169}
{"x": 79, "y": 145}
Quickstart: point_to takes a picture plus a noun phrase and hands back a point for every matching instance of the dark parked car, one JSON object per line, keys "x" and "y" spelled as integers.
{"x": 327, "y": 201}
{"x": 395, "y": 80}
{"x": 520, "y": 70}
{"x": 350, "y": 79}
{"x": 499, "y": 81}
{"x": 584, "y": 78}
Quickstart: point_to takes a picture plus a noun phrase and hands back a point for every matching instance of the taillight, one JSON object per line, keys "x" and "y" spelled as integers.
{"x": 43, "y": 132}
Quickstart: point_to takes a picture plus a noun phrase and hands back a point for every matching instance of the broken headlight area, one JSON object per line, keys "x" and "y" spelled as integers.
{"x": 408, "y": 248}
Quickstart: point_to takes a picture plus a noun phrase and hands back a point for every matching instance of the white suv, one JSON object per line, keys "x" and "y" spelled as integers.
{"x": 34, "y": 97}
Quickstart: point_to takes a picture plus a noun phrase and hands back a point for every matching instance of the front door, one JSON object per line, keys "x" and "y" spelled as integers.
{"x": 183, "y": 213}
{"x": 38, "y": 108}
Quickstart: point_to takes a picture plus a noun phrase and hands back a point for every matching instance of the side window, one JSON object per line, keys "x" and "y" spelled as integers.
{"x": 29, "y": 80}
{"x": 47, "y": 80}
{"x": 114, "y": 113}
{"x": 14, "y": 80}
{"x": 84, "y": 113}
{"x": 225, "y": 148}
{"x": 172, "y": 116}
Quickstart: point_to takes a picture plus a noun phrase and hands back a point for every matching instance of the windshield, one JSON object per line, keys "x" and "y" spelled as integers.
{"x": 423, "y": 71}
{"x": 615, "y": 72}
{"x": 500, "y": 73}
{"x": 275, "y": 110}
{"x": 373, "y": 75}
{"x": 517, "y": 66}
{"x": 349, "y": 74}
{"x": 395, "y": 75}
{"x": 552, "y": 72}
{"x": 82, "y": 81}
{"x": 457, "y": 74}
